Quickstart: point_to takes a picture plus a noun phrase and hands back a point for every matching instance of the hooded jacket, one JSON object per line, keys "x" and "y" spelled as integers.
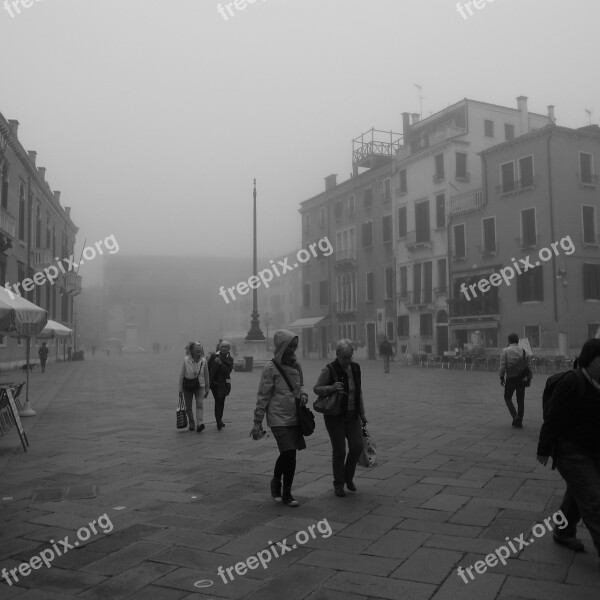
{"x": 274, "y": 396}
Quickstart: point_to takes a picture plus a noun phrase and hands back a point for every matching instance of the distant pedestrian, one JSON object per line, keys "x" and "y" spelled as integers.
{"x": 386, "y": 350}
{"x": 276, "y": 400}
{"x": 194, "y": 383}
{"x": 514, "y": 375}
{"x": 43, "y": 354}
{"x": 220, "y": 365}
{"x": 346, "y": 425}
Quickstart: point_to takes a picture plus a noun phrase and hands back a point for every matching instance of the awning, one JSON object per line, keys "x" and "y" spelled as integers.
{"x": 307, "y": 322}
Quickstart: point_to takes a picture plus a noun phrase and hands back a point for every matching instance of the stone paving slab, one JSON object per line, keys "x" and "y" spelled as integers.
{"x": 453, "y": 480}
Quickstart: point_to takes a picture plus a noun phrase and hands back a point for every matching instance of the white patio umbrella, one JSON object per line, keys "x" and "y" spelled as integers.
{"x": 21, "y": 318}
{"x": 54, "y": 329}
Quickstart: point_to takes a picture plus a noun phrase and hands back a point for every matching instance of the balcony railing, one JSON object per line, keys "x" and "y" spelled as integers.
{"x": 42, "y": 257}
{"x": 515, "y": 186}
{"x": 375, "y": 143}
{"x": 475, "y": 307}
{"x": 466, "y": 202}
{"x": 464, "y": 176}
{"x": 348, "y": 255}
{"x": 413, "y": 241}
{"x": 588, "y": 180}
{"x": 416, "y": 298}
{"x": 8, "y": 223}
{"x": 343, "y": 308}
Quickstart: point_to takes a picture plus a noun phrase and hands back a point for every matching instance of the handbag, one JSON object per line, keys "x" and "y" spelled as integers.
{"x": 306, "y": 419}
{"x": 181, "y": 415}
{"x": 368, "y": 456}
{"x": 329, "y": 405}
{"x": 526, "y": 373}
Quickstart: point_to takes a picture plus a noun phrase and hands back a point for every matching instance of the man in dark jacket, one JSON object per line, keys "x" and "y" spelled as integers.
{"x": 43, "y": 353}
{"x": 220, "y": 365}
{"x": 386, "y": 350}
{"x": 570, "y": 433}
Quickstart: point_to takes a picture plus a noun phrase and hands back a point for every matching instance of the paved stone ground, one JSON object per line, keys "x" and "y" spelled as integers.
{"x": 453, "y": 481}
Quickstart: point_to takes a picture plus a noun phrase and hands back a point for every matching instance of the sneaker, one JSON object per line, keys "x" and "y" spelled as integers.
{"x": 350, "y": 485}
{"x": 515, "y": 422}
{"x": 276, "y": 490}
{"x": 288, "y": 499}
{"x": 339, "y": 491}
{"x": 571, "y": 542}
{"x": 200, "y": 428}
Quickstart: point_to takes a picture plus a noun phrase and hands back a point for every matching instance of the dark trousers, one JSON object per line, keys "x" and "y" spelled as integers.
{"x": 43, "y": 363}
{"x": 515, "y": 384}
{"x": 340, "y": 429}
{"x": 570, "y": 509}
{"x": 581, "y": 471}
{"x": 219, "y": 406}
{"x": 286, "y": 467}
{"x": 386, "y": 363}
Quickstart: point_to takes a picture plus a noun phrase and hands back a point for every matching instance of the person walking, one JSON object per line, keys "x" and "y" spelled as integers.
{"x": 570, "y": 435}
{"x": 43, "y": 354}
{"x": 514, "y": 375}
{"x": 194, "y": 382}
{"x": 278, "y": 402}
{"x": 220, "y": 365}
{"x": 343, "y": 375}
{"x": 386, "y": 350}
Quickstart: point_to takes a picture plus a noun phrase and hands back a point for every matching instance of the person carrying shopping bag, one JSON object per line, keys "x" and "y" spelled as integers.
{"x": 194, "y": 383}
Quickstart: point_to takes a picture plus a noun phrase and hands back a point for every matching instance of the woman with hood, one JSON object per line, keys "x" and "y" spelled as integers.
{"x": 279, "y": 403}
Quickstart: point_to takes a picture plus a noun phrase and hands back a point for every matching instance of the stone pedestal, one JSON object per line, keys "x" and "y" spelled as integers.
{"x": 257, "y": 349}
{"x": 131, "y": 338}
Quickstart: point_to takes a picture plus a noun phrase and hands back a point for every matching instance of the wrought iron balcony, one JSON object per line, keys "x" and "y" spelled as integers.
{"x": 374, "y": 145}
{"x": 344, "y": 258}
{"x": 515, "y": 186}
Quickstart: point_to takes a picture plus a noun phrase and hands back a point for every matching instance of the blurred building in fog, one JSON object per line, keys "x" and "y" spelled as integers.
{"x": 36, "y": 232}
{"x": 539, "y": 199}
{"x": 437, "y": 174}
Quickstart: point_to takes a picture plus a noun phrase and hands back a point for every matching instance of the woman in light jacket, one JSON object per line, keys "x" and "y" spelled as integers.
{"x": 279, "y": 403}
{"x": 346, "y": 425}
{"x": 194, "y": 383}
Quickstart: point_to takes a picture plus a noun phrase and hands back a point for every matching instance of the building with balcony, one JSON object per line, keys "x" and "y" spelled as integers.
{"x": 537, "y": 209}
{"x": 437, "y": 174}
{"x": 351, "y": 293}
{"x": 35, "y": 232}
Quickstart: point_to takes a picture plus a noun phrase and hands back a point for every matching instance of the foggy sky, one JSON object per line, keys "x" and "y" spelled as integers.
{"x": 153, "y": 118}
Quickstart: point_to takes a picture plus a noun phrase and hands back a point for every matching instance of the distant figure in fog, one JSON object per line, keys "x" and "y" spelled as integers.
{"x": 93, "y": 350}
{"x": 386, "y": 350}
{"x": 43, "y": 354}
{"x": 514, "y": 362}
{"x": 220, "y": 365}
{"x": 194, "y": 383}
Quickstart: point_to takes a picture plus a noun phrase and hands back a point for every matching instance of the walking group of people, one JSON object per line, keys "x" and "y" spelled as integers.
{"x": 570, "y": 433}
{"x": 199, "y": 375}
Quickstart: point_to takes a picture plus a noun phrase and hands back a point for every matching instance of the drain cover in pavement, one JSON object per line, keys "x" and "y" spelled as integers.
{"x": 73, "y": 492}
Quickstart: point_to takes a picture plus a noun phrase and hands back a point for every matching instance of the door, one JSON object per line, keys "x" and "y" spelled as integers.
{"x": 371, "y": 341}
{"x": 442, "y": 339}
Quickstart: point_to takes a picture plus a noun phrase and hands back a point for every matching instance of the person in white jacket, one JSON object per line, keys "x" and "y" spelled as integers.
{"x": 194, "y": 383}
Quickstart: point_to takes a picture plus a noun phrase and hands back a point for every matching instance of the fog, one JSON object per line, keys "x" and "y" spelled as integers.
{"x": 153, "y": 118}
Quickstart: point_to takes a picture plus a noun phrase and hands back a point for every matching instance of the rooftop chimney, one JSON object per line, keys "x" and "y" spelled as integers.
{"x": 406, "y": 126}
{"x": 56, "y": 196}
{"x": 42, "y": 172}
{"x": 13, "y": 127}
{"x": 415, "y": 118}
{"x": 522, "y": 107}
{"x": 330, "y": 182}
{"x": 68, "y": 211}
{"x": 32, "y": 156}
{"x": 551, "y": 114}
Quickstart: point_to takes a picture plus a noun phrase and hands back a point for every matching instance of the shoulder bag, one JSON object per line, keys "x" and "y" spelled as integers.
{"x": 306, "y": 419}
{"x": 329, "y": 405}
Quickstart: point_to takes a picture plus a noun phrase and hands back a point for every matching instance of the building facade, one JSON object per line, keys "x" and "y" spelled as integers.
{"x": 351, "y": 293}
{"x": 36, "y": 231}
{"x": 436, "y": 171}
{"x": 536, "y": 215}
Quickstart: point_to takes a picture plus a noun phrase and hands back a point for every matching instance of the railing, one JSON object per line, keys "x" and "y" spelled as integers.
{"x": 345, "y": 255}
{"x": 363, "y": 147}
{"x": 340, "y": 308}
{"x": 8, "y": 223}
{"x": 412, "y": 241}
{"x": 514, "y": 186}
{"x": 592, "y": 180}
{"x": 42, "y": 257}
{"x": 475, "y": 307}
{"x": 416, "y": 298}
{"x": 466, "y": 176}
{"x": 466, "y": 202}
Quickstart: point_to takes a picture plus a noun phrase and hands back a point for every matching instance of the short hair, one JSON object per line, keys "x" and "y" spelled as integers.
{"x": 513, "y": 338}
{"x": 589, "y": 351}
{"x": 343, "y": 345}
{"x": 223, "y": 343}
